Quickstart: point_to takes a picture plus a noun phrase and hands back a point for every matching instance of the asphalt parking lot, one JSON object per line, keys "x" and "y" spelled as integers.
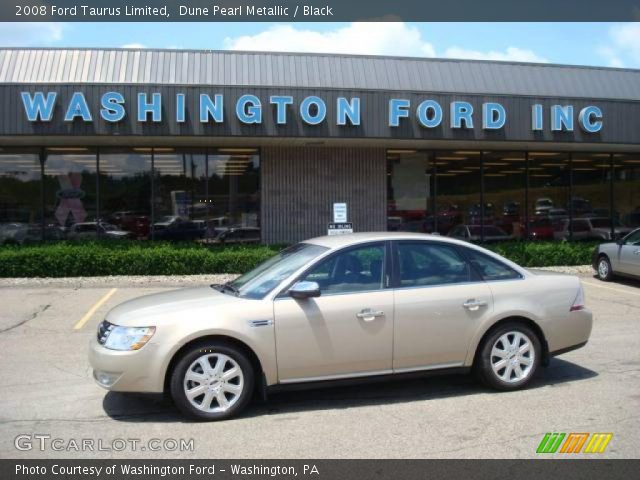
{"x": 46, "y": 388}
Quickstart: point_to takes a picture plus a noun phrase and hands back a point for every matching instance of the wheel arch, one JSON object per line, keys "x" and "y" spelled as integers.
{"x": 260, "y": 384}
{"x": 518, "y": 319}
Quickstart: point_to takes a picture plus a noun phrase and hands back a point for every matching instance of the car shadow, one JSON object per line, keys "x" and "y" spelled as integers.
{"x": 629, "y": 282}
{"x": 618, "y": 280}
{"x": 153, "y": 408}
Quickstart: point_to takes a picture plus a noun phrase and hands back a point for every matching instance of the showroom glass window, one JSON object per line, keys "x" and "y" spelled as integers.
{"x": 125, "y": 190}
{"x": 549, "y": 193}
{"x": 409, "y": 191}
{"x": 20, "y": 210}
{"x": 233, "y": 188}
{"x": 70, "y": 178}
{"x": 591, "y": 192}
{"x": 179, "y": 194}
{"x": 505, "y": 183}
{"x": 626, "y": 191}
{"x": 458, "y": 193}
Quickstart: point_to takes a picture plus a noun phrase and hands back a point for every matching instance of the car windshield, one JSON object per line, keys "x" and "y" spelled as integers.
{"x": 601, "y": 223}
{"x": 265, "y": 277}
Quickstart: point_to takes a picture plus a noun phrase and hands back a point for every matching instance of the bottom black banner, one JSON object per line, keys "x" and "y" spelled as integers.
{"x": 546, "y": 468}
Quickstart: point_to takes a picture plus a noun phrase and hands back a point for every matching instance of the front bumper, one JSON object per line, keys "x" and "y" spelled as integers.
{"x": 594, "y": 258}
{"x": 127, "y": 371}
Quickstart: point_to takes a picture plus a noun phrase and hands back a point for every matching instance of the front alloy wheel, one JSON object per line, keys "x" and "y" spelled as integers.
{"x": 212, "y": 382}
{"x": 509, "y": 356}
{"x": 604, "y": 269}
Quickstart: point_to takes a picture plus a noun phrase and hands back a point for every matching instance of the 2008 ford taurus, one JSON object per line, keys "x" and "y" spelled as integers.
{"x": 338, "y": 308}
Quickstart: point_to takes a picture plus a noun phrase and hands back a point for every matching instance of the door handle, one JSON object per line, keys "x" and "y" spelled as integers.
{"x": 637, "y": 252}
{"x": 473, "y": 304}
{"x": 369, "y": 315}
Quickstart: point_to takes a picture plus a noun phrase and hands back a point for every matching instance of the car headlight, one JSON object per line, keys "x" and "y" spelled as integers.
{"x": 117, "y": 337}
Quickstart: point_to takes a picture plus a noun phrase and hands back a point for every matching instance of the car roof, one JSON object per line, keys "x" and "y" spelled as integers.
{"x": 338, "y": 241}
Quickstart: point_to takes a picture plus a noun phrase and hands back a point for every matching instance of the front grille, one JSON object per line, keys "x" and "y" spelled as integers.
{"x": 103, "y": 331}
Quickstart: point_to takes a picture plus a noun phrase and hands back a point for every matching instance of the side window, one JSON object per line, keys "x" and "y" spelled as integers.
{"x": 633, "y": 239}
{"x": 425, "y": 264}
{"x": 580, "y": 226}
{"x": 355, "y": 270}
{"x": 490, "y": 268}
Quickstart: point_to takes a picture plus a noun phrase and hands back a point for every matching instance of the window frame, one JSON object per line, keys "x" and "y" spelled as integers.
{"x": 386, "y": 269}
{"x": 395, "y": 276}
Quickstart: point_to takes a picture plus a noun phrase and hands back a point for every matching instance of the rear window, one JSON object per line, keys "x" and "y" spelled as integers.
{"x": 490, "y": 268}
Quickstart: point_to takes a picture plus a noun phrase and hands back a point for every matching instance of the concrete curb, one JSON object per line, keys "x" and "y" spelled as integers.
{"x": 138, "y": 281}
{"x": 121, "y": 281}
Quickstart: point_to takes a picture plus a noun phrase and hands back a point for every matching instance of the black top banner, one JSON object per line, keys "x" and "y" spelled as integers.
{"x": 319, "y": 11}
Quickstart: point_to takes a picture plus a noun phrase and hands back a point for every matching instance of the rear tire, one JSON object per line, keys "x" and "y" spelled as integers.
{"x": 212, "y": 381}
{"x": 509, "y": 357}
{"x": 604, "y": 270}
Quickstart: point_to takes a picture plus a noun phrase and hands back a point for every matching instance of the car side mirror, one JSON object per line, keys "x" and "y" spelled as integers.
{"x": 620, "y": 241}
{"x": 303, "y": 290}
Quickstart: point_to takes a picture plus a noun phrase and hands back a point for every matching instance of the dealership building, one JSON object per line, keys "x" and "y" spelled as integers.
{"x": 279, "y": 143}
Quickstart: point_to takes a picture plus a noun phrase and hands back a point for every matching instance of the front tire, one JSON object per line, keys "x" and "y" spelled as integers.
{"x": 605, "y": 272}
{"x": 509, "y": 357}
{"x": 212, "y": 381}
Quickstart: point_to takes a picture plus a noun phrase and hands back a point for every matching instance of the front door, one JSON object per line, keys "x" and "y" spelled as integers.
{"x": 630, "y": 254}
{"x": 348, "y": 329}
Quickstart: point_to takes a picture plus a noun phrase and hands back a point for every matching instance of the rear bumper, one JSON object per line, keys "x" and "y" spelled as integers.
{"x": 567, "y": 349}
{"x": 570, "y": 333}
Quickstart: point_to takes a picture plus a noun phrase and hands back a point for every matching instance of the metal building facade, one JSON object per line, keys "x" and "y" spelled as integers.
{"x": 304, "y": 168}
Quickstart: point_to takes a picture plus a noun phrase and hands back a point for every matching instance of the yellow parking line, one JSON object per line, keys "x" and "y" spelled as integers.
{"x": 93, "y": 309}
{"x": 611, "y": 288}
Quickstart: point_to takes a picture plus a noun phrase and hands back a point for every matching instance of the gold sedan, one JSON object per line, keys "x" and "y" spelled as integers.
{"x": 338, "y": 308}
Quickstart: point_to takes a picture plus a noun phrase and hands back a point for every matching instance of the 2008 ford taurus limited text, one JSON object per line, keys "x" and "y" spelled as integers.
{"x": 338, "y": 308}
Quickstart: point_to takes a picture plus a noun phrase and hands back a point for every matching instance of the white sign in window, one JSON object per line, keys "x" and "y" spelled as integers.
{"x": 339, "y": 212}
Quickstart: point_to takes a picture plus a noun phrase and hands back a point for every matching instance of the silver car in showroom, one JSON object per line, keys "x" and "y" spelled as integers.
{"x": 338, "y": 308}
{"x": 618, "y": 258}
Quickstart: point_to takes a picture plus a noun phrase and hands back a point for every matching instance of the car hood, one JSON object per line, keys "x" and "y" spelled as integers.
{"x": 608, "y": 245}
{"x": 615, "y": 229}
{"x": 172, "y": 306}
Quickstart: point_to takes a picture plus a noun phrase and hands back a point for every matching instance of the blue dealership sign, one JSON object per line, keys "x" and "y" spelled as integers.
{"x": 249, "y": 109}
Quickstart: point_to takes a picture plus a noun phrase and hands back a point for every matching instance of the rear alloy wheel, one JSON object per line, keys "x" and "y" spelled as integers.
{"x": 213, "y": 382}
{"x": 509, "y": 357}
{"x": 605, "y": 273}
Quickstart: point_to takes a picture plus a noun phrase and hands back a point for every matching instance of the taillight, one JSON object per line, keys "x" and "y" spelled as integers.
{"x": 578, "y": 303}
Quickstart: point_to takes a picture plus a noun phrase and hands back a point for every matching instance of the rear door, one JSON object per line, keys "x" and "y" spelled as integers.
{"x": 439, "y": 303}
